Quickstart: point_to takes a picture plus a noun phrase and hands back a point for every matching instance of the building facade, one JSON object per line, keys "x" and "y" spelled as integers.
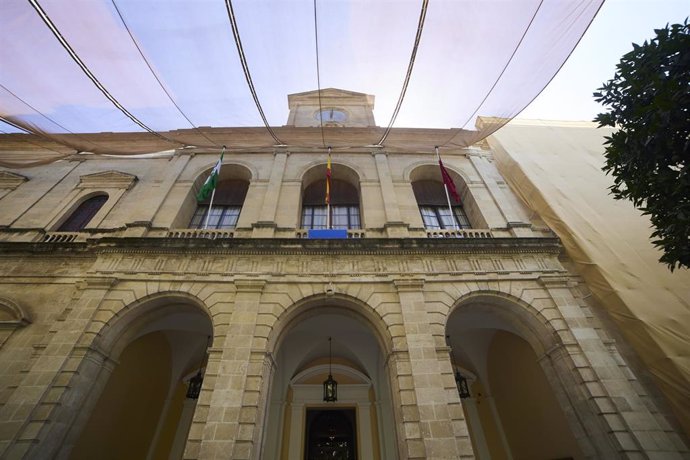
{"x": 118, "y": 289}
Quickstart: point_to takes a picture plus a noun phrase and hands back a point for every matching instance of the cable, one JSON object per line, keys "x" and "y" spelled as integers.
{"x": 505, "y": 67}
{"x": 11, "y": 123}
{"x": 167, "y": 93}
{"x": 245, "y": 69}
{"x": 408, "y": 75}
{"x": 91, "y": 76}
{"x": 39, "y": 133}
{"x": 318, "y": 74}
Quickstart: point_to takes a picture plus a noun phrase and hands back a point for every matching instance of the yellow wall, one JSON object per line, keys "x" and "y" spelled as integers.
{"x": 532, "y": 419}
{"x": 125, "y": 417}
{"x": 488, "y": 421}
{"x": 172, "y": 420}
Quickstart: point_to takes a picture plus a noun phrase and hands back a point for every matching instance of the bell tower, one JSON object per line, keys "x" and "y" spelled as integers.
{"x": 339, "y": 108}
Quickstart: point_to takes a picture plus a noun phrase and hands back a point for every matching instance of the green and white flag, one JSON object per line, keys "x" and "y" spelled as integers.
{"x": 211, "y": 181}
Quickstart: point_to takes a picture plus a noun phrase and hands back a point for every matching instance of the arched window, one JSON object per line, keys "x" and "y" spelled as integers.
{"x": 227, "y": 204}
{"x": 344, "y": 205}
{"x": 433, "y": 205}
{"x": 81, "y": 216}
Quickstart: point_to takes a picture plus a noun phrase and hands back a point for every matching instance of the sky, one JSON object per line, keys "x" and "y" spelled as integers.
{"x": 618, "y": 24}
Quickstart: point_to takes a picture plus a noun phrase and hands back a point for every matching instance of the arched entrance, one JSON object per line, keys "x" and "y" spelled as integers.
{"x": 360, "y": 424}
{"x": 513, "y": 409}
{"x": 138, "y": 406}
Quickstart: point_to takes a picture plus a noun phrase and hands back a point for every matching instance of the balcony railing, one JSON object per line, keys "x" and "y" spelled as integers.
{"x": 201, "y": 233}
{"x": 464, "y": 233}
{"x": 61, "y": 237}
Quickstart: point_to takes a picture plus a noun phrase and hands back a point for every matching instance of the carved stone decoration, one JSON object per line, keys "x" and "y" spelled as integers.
{"x": 10, "y": 180}
{"x": 107, "y": 179}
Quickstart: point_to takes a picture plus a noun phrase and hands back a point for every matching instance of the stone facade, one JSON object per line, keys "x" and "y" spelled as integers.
{"x": 72, "y": 302}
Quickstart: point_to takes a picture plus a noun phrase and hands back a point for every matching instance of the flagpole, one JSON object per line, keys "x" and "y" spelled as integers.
{"x": 445, "y": 187}
{"x": 210, "y": 206}
{"x": 213, "y": 193}
{"x": 328, "y": 205}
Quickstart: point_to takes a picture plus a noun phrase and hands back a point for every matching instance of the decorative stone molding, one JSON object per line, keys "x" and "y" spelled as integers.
{"x": 246, "y": 285}
{"x": 12, "y": 316}
{"x": 10, "y": 180}
{"x": 97, "y": 283}
{"x": 409, "y": 285}
{"x": 107, "y": 179}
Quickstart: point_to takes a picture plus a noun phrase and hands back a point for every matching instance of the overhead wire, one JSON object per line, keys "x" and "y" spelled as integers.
{"x": 245, "y": 69}
{"x": 505, "y": 67}
{"x": 39, "y": 133}
{"x": 408, "y": 74}
{"x": 155, "y": 75}
{"x": 53, "y": 28}
{"x": 318, "y": 73}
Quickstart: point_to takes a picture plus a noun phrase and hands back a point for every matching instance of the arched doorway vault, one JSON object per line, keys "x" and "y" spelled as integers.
{"x": 134, "y": 377}
{"x": 298, "y": 344}
{"x": 504, "y": 350}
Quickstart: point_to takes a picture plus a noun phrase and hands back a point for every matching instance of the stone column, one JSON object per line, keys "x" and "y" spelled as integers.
{"x": 266, "y": 225}
{"x": 395, "y": 227}
{"x": 434, "y": 415}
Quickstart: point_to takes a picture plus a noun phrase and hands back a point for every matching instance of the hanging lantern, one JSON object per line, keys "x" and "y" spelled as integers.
{"x": 463, "y": 388}
{"x": 195, "y": 386}
{"x": 330, "y": 386}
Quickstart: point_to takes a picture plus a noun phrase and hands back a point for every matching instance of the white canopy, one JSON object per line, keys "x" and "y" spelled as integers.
{"x": 89, "y": 66}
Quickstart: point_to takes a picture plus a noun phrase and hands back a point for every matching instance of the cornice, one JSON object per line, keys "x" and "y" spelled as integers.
{"x": 293, "y": 246}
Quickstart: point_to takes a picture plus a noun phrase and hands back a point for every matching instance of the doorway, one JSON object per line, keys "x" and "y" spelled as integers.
{"x": 330, "y": 434}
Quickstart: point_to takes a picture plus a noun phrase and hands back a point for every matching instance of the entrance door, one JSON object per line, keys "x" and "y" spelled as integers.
{"x": 330, "y": 434}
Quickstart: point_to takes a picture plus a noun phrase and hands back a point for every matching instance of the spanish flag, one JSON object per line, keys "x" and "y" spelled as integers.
{"x": 328, "y": 178}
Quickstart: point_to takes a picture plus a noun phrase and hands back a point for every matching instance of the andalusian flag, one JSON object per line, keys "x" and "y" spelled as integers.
{"x": 211, "y": 181}
{"x": 328, "y": 178}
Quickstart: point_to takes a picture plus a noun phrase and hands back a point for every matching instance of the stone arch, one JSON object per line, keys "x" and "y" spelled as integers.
{"x": 381, "y": 373}
{"x": 531, "y": 325}
{"x": 141, "y": 311}
{"x": 313, "y": 305}
{"x": 343, "y": 170}
{"x": 429, "y": 170}
{"x": 490, "y": 319}
{"x": 230, "y": 169}
{"x": 177, "y": 318}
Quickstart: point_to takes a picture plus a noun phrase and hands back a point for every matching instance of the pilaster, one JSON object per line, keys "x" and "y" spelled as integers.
{"x": 265, "y": 227}
{"x": 51, "y": 386}
{"x": 608, "y": 381}
{"x": 437, "y": 416}
{"x": 395, "y": 227}
{"x": 510, "y": 214}
{"x": 236, "y": 374}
